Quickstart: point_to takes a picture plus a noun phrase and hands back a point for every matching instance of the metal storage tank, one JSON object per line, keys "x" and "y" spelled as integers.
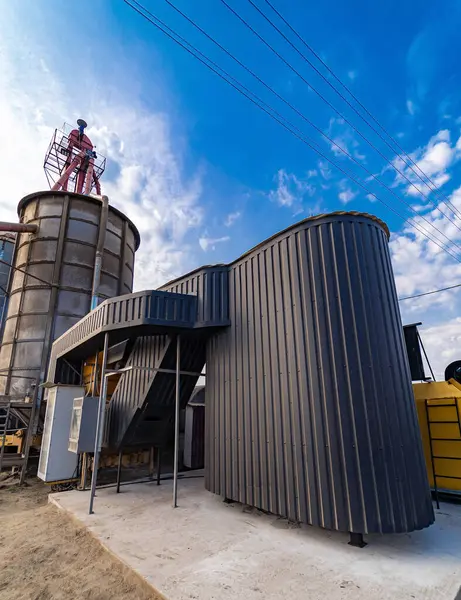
{"x": 62, "y": 255}
{"x": 310, "y": 411}
{"x": 7, "y": 241}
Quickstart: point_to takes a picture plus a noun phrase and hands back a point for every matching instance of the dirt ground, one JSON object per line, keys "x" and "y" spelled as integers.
{"x": 46, "y": 556}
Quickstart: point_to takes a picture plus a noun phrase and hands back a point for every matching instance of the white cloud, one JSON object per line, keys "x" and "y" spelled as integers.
{"x": 433, "y": 160}
{"x": 325, "y": 170}
{"x": 210, "y": 243}
{"x": 290, "y": 191}
{"x": 344, "y": 138}
{"x": 145, "y": 178}
{"x": 347, "y": 196}
{"x": 443, "y": 344}
{"x": 411, "y": 107}
{"x": 231, "y": 218}
{"x": 438, "y": 154}
{"x": 421, "y": 266}
{"x": 352, "y": 75}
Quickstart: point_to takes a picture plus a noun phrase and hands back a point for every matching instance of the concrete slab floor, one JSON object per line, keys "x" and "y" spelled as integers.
{"x": 206, "y": 549}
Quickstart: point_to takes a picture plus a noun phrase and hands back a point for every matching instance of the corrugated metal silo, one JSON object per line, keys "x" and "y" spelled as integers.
{"x": 310, "y": 411}
{"x": 7, "y": 241}
{"x": 61, "y": 254}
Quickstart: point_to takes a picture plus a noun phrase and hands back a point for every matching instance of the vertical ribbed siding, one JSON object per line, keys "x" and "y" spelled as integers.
{"x": 310, "y": 410}
{"x": 210, "y": 285}
{"x": 142, "y": 405}
{"x": 133, "y": 386}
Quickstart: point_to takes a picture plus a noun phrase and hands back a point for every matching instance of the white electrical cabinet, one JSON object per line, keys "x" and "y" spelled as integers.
{"x": 56, "y": 462}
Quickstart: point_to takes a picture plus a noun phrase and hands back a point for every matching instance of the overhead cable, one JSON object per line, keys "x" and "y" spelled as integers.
{"x": 450, "y": 287}
{"x": 400, "y": 151}
{"x": 313, "y": 125}
{"x": 326, "y": 101}
{"x": 170, "y": 33}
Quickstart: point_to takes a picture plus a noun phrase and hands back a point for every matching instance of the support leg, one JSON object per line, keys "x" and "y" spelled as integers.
{"x": 356, "y": 539}
{"x": 151, "y": 463}
{"x": 159, "y": 464}
{"x": 119, "y": 470}
{"x": 99, "y": 424}
{"x": 176, "y": 423}
{"x": 83, "y": 474}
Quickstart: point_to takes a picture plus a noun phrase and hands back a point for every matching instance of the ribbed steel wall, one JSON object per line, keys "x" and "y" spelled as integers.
{"x": 133, "y": 386}
{"x": 143, "y": 403}
{"x": 211, "y": 286}
{"x": 310, "y": 411}
{"x": 62, "y": 255}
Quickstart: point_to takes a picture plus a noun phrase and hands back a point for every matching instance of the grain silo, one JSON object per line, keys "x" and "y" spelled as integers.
{"x": 80, "y": 250}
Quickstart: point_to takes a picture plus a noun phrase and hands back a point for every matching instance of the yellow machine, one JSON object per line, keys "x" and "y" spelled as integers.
{"x": 13, "y": 442}
{"x": 439, "y": 413}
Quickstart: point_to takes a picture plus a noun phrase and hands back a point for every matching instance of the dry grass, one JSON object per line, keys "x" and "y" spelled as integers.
{"x": 46, "y": 556}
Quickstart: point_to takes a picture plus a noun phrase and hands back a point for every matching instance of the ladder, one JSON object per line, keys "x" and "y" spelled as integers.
{"x": 454, "y": 419}
{"x": 26, "y": 405}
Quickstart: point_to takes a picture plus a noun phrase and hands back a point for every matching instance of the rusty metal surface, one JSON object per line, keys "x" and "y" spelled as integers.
{"x": 62, "y": 253}
{"x": 310, "y": 411}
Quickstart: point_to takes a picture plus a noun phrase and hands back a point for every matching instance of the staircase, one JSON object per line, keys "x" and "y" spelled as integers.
{"x": 143, "y": 402}
{"x": 23, "y": 408}
{"x": 444, "y": 429}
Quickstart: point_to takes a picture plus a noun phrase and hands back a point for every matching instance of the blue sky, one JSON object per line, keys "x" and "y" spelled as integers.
{"x": 205, "y": 174}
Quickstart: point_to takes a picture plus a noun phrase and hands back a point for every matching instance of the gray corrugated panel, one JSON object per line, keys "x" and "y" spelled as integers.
{"x": 310, "y": 411}
{"x": 154, "y": 310}
{"x": 142, "y": 406}
{"x": 210, "y": 285}
{"x": 133, "y": 386}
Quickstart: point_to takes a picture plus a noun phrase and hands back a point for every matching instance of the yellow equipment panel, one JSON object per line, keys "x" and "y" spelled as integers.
{"x": 92, "y": 377}
{"x": 441, "y": 402}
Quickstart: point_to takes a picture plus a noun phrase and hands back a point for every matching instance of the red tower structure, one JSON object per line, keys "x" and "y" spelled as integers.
{"x": 71, "y": 162}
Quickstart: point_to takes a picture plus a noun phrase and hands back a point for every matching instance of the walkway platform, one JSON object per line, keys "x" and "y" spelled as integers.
{"x": 205, "y": 549}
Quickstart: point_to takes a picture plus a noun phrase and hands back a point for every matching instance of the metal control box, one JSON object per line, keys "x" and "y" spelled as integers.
{"x": 56, "y": 462}
{"x": 83, "y": 424}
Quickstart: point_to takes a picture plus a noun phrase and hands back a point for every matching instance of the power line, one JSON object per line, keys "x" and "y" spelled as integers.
{"x": 362, "y": 117}
{"x": 270, "y": 111}
{"x": 450, "y": 287}
{"x": 434, "y": 187}
{"x": 320, "y": 95}
{"x": 273, "y": 91}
